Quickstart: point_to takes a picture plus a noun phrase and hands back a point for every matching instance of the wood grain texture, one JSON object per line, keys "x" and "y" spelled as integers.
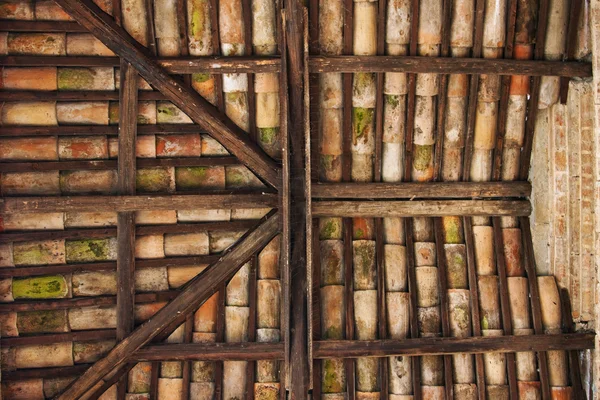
{"x": 230, "y": 199}
{"x": 441, "y": 65}
{"x": 429, "y": 190}
{"x": 188, "y": 300}
{"x": 446, "y": 345}
{"x": 420, "y": 208}
{"x": 198, "y": 109}
{"x": 248, "y": 351}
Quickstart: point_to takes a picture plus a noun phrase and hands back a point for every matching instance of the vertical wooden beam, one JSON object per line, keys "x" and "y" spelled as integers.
{"x": 443, "y": 290}
{"x": 536, "y": 308}
{"x": 569, "y": 327}
{"x": 128, "y": 110}
{"x": 505, "y": 305}
{"x": 412, "y": 290}
{"x": 574, "y": 14}
{"x": 295, "y": 37}
{"x": 476, "y": 317}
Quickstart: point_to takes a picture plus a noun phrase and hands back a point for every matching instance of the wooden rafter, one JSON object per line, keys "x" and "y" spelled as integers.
{"x": 420, "y": 190}
{"x": 101, "y": 25}
{"x": 420, "y": 208}
{"x": 443, "y": 65}
{"x": 189, "y": 299}
{"x": 231, "y": 199}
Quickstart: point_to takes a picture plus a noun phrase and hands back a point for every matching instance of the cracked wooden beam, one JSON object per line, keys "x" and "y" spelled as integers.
{"x": 191, "y": 297}
{"x": 101, "y": 25}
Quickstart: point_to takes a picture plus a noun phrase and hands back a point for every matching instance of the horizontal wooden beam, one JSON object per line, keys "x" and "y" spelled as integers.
{"x": 73, "y": 336}
{"x": 7, "y": 25}
{"x": 431, "y": 190}
{"x": 140, "y": 230}
{"x": 90, "y": 130}
{"x": 106, "y": 266}
{"x": 44, "y": 373}
{"x": 447, "y": 65}
{"x": 187, "y": 65}
{"x": 89, "y": 165}
{"x": 448, "y": 345}
{"x": 221, "y": 200}
{"x": 75, "y": 95}
{"x": 420, "y": 208}
{"x": 76, "y": 302}
{"x": 210, "y": 352}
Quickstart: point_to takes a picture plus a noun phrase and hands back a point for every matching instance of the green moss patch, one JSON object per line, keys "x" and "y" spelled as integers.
{"x": 40, "y": 287}
{"x": 51, "y": 321}
{"x": 362, "y": 122}
{"x": 90, "y": 250}
{"x": 422, "y": 157}
{"x": 153, "y": 180}
{"x": 76, "y": 78}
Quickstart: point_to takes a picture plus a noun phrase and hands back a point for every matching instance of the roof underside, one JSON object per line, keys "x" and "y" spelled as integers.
{"x": 165, "y": 197}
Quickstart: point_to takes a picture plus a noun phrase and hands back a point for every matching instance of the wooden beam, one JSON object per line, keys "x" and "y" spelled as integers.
{"x": 41, "y": 373}
{"x": 430, "y": 190}
{"x": 232, "y": 199}
{"x": 92, "y": 95}
{"x": 89, "y": 165}
{"x": 128, "y": 112}
{"x": 434, "y": 346}
{"x": 188, "y": 300}
{"x": 420, "y": 208}
{"x": 62, "y": 304}
{"x": 41, "y": 26}
{"x": 248, "y": 351}
{"x": 180, "y": 65}
{"x": 89, "y": 233}
{"x": 443, "y": 65}
{"x": 78, "y": 130}
{"x": 73, "y": 336}
{"x": 195, "y": 106}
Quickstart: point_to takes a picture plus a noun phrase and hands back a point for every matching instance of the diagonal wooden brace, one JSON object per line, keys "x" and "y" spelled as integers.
{"x": 103, "y": 27}
{"x": 191, "y": 297}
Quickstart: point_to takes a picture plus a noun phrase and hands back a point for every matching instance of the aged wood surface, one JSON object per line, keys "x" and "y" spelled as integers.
{"x": 442, "y": 65}
{"x": 420, "y": 208}
{"x": 88, "y": 165}
{"x": 199, "y": 110}
{"x": 179, "y": 65}
{"x": 409, "y": 190}
{"x": 192, "y": 296}
{"x": 231, "y": 199}
{"x": 210, "y": 352}
{"x": 448, "y": 345}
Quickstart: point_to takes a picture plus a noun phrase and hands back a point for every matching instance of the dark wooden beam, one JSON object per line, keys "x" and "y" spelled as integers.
{"x": 105, "y": 266}
{"x": 179, "y": 65}
{"x": 41, "y": 26}
{"x": 100, "y": 95}
{"x": 434, "y": 346}
{"x": 89, "y": 233}
{"x": 569, "y": 327}
{"x": 443, "y": 65}
{"x": 198, "y": 109}
{"x": 112, "y": 164}
{"x": 420, "y": 208}
{"x": 43, "y": 373}
{"x": 128, "y": 112}
{"x": 62, "y": 304}
{"x": 113, "y": 130}
{"x": 188, "y": 300}
{"x": 232, "y": 199}
{"x": 430, "y": 190}
{"x": 100, "y": 334}
{"x": 248, "y": 351}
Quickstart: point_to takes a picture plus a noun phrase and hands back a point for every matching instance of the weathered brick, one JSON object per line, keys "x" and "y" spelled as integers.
{"x": 82, "y": 147}
{"x": 15, "y": 9}
{"x": 186, "y": 244}
{"x": 149, "y": 246}
{"x": 55, "y": 355}
{"x": 55, "y": 386}
{"x": 155, "y": 217}
{"x": 90, "y": 250}
{"x": 85, "y": 44}
{"x": 203, "y": 215}
{"x": 167, "y": 113}
{"x": 139, "y": 378}
{"x": 38, "y": 149}
{"x": 47, "y": 44}
{"x": 50, "y": 321}
{"x": 38, "y": 221}
{"x": 6, "y": 255}
{"x": 6, "y": 291}
{"x": 49, "y": 10}
{"x": 39, "y": 253}
{"x": 88, "y": 182}
{"x": 94, "y": 283}
{"x": 41, "y": 287}
{"x": 24, "y": 389}
{"x": 92, "y": 318}
{"x": 91, "y": 351}
{"x": 146, "y": 113}
{"x": 194, "y": 178}
{"x": 80, "y": 113}
{"x": 91, "y": 78}
{"x": 30, "y": 183}
{"x": 90, "y": 219}
{"x": 144, "y": 312}
{"x": 145, "y": 147}
{"x": 35, "y": 78}
{"x": 211, "y": 147}
{"x": 151, "y": 280}
{"x": 221, "y": 240}
{"x": 178, "y": 276}
{"x": 160, "y": 179}
{"x": 178, "y": 145}
{"x": 8, "y": 325}
{"x": 241, "y": 177}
